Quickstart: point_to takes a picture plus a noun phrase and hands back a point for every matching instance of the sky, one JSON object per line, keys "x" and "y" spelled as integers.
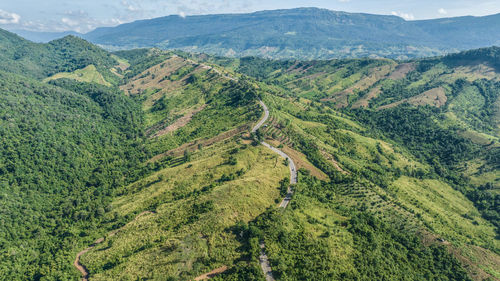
{"x": 86, "y": 15}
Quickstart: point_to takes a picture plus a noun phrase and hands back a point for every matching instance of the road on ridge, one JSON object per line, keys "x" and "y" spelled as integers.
{"x": 291, "y": 164}
{"x": 263, "y": 258}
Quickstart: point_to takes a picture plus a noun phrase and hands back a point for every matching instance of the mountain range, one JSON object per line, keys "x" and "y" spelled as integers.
{"x": 305, "y": 33}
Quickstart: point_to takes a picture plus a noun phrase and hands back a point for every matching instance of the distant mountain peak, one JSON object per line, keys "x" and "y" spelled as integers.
{"x": 318, "y": 33}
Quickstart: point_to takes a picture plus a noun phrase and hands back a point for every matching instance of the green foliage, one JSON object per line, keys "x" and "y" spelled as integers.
{"x": 387, "y": 253}
{"x": 262, "y": 68}
{"x": 141, "y": 59}
{"x": 63, "y": 154}
{"x": 42, "y": 60}
{"x": 416, "y": 129}
{"x": 490, "y": 56}
{"x": 228, "y": 106}
{"x": 379, "y": 250}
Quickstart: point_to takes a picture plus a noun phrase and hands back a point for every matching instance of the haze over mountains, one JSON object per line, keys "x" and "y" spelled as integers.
{"x": 306, "y": 33}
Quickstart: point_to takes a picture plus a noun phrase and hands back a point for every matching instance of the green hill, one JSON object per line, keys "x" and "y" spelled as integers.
{"x": 68, "y": 54}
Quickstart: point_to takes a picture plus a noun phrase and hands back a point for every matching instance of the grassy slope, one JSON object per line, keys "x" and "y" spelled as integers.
{"x": 453, "y": 218}
{"x": 177, "y": 240}
{"x": 89, "y": 74}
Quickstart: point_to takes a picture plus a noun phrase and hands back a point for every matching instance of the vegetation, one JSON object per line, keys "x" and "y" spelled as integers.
{"x": 63, "y": 155}
{"x": 151, "y": 151}
{"x": 194, "y": 204}
{"x": 43, "y": 60}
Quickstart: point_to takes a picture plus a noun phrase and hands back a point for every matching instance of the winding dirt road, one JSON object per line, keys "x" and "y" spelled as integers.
{"x": 83, "y": 270}
{"x": 291, "y": 164}
{"x": 263, "y": 258}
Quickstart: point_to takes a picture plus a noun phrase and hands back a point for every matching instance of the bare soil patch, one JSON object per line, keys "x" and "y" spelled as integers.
{"x": 179, "y": 123}
{"x": 401, "y": 71}
{"x": 193, "y": 146}
{"x": 157, "y": 76}
{"x": 480, "y": 255}
{"x": 377, "y": 73}
{"x": 365, "y": 100}
{"x": 434, "y": 97}
{"x": 334, "y": 162}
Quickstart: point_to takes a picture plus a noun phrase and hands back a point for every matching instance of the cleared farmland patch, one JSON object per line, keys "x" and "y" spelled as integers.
{"x": 434, "y": 97}
{"x": 89, "y": 74}
{"x": 401, "y": 71}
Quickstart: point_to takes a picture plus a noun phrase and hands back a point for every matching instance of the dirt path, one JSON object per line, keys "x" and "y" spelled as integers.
{"x": 291, "y": 164}
{"x": 264, "y": 263}
{"x": 83, "y": 270}
{"x": 293, "y": 174}
{"x": 263, "y": 258}
{"x": 211, "y": 274}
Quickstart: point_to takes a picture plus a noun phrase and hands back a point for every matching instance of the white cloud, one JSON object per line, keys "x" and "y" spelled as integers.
{"x": 9, "y": 18}
{"x": 442, "y": 11}
{"x": 406, "y": 16}
{"x": 79, "y": 21}
{"x": 70, "y": 22}
{"x": 344, "y": 1}
{"x": 131, "y": 7}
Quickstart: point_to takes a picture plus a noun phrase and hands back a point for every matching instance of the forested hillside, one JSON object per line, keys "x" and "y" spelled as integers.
{"x": 142, "y": 164}
{"x": 70, "y": 53}
{"x": 63, "y": 155}
{"x": 66, "y": 147}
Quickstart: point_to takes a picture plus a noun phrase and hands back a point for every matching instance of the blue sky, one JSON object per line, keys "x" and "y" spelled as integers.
{"x": 85, "y": 15}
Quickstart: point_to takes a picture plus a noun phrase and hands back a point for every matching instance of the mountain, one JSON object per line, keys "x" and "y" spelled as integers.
{"x": 153, "y": 164}
{"x": 303, "y": 33}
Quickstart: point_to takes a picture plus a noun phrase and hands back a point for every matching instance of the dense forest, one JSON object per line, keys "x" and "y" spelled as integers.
{"x": 64, "y": 151}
